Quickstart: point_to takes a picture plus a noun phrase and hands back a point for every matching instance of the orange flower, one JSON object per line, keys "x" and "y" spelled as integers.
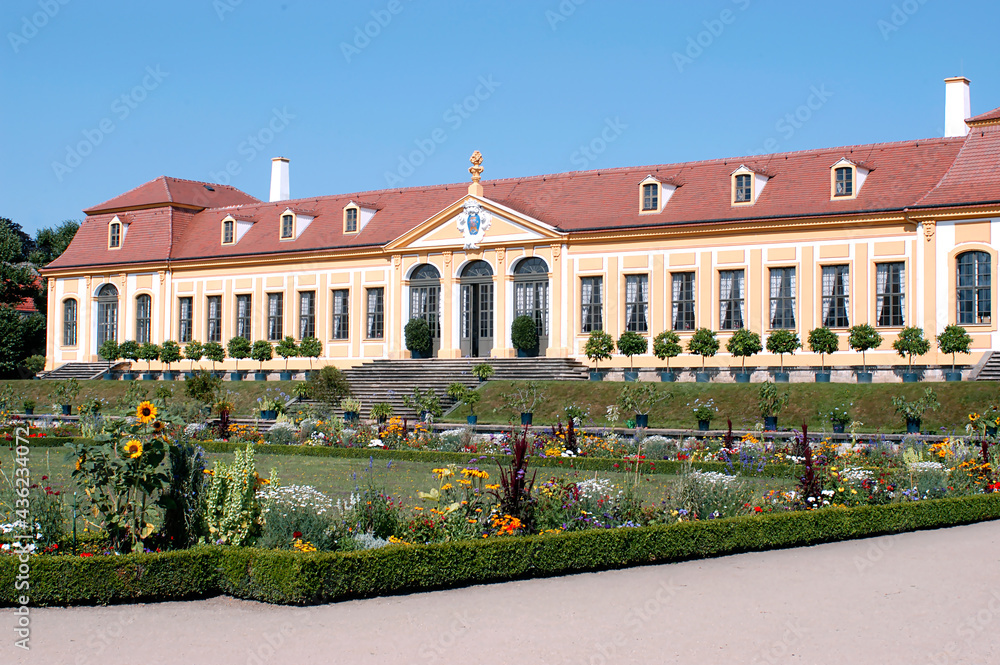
{"x": 146, "y": 413}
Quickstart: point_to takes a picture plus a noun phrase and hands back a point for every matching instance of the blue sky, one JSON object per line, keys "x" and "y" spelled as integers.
{"x": 103, "y": 96}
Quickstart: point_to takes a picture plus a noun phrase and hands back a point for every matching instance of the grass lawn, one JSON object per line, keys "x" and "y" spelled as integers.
{"x": 871, "y": 403}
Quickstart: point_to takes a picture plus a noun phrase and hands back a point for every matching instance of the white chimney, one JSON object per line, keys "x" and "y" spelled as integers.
{"x": 279, "y": 179}
{"x": 957, "y": 107}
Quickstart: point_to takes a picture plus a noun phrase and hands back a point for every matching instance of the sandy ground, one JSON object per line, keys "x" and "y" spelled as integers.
{"x": 931, "y": 597}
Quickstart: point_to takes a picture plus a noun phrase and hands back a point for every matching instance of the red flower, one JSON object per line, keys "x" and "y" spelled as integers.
{"x": 758, "y": 509}
{"x": 297, "y": 534}
{"x": 616, "y": 466}
{"x": 87, "y": 554}
{"x": 45, "y": 477}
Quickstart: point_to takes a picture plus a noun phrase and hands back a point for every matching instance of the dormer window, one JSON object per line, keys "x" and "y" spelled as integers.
{"x": 228, "y": 232}
{"x": 843, "y": 181}
{"x": 351, "y": 220}
{"x": 747, "y": 184}
{"x": 650, "y": 197}
{"x": 287, "y": 226}
{"x": 744, "y": 189}
{"x": 115, "y": 234}
{"x": 846, "y": 179}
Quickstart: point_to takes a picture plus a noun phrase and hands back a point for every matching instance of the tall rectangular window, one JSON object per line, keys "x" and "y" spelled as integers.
{"x": 890, "y": 279}
{"x": 650, "y": 197}
{"x": 227, "y": 232}
{"x": 782, "y": 297}
{"x": 843, "y": 181}
{"x": 287, "y": 226}
{"x": 275, "y": 316}
{"x": 244, "y": 316}
{"x": 376, "y": 326}
{"x": 185, "y": 319}
{"x": 213, "y": 312}
{"x": 974, "y": 292}
{"x": 339, "y": 328}
{"x": 307, "y": 314}
{"x": 731, "y": 299}
{"x": 836, "y": 296}
{"x": 143, "y": 315}
{"x": 115, "y": 235}
{"x": 637, "y": 303}
{"x": 744, "y": 189}
{"x": 351, "y": 220}
{"x": 683, "y": 301}
{"x": 591, "y": 304}
{"x": 69, "y": 322}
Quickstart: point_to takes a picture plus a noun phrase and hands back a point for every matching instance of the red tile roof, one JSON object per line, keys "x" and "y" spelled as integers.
{"x": 164, "y": 190}
{"x": 942, "y": 171}
{"x": 984, "y": 117}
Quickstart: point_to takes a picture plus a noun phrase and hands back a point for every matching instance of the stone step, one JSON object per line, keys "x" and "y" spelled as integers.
{"x": 991, "y": 370}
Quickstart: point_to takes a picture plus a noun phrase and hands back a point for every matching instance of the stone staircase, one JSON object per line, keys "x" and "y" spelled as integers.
{"x": 991, "y": 370}
{"x": 79, "y": 371}
{"x": 391, "y": 380}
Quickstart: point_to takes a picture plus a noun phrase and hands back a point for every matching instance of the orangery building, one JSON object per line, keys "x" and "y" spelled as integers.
{"x": 889, "y": 234}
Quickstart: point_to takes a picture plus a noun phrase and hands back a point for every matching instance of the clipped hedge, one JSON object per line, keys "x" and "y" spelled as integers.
{"x": 286, "y": 577}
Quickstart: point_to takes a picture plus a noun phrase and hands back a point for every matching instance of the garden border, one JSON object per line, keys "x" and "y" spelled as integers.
{"x": 285, "y": 577}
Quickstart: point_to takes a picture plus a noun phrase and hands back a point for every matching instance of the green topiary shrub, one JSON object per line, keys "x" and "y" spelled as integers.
{"x": 262, "y": 351}
{"x": 287, "y": 348}
{"x": 524, "y": 334}
{"x": 600, "y": 345}
{"x": 911, "y": 342}
{"x": 782, "y": 342}
{"x": 170, "y": 352}
{"x": 822, "y": 340}
{"x": 743, "y": 344}
{"x": 632, "y": 344}
{"x": 215, "y": 352}
{"x": 863, "y": 337}
{"x": 667, "y": 345}
{"x": 310, "y": 348}
{"x": 239, "y": 348}
{"x": 418, "y": 337}
{"x": 703, "y": 343}
{"x": 954, "y": 339}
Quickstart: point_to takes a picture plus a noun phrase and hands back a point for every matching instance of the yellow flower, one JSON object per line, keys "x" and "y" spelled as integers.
{"x": 158, "y": 426}
{"x": 133, "y": 448}
{"x": 78, "y": 463}
{"x": 146, "y": 413}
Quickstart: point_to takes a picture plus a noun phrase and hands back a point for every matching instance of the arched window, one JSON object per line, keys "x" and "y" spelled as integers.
{"x": 143, "y": 309}
{"x": 107, "y": 314}
{"x": 69, "y": 322}
{"x": 425, "y": 298}
{"x": 530, "y": 266}
{"x": 426, "y": 271}
{"x": 531, "y": 295}
{"x": 974, "y": 296}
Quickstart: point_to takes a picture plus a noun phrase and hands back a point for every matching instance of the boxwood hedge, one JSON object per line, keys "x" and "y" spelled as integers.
{"x": 293, "y": 578}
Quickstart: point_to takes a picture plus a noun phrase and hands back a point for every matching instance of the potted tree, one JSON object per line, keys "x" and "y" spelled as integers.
{"x": 310, "y": 347}
{"x": 170, "y": 352}
{"x": 909, "y": 343}
{"x": 954, "y": 339}
{"x": 351, "y": 406}
{"x": 461, "y": 393}
{"x": 380, "y": 412}
{"x": 522, "y": 398}
{"x": 704, "y": 412}
{"x": 839, "y": 416}
{"x": 149, "y": 352}
{"x": 822, "y": 340}
{"x": 426, "y": 403}
{"x": 600, "y": 345}
{"x": 216, "y": 353}
{"x": 640, "y": 399}
{"x": 129, "y": 350}
{"x": 632, "y": 344}
{"x": 524, "y": 336}
{"x": 913, "y": 411}
{"x": 863, "y": 337}
{"x": 29, "y": 406}
{"x": 238, "y": 348}
{"x": 287, "y": 348}
{"x": 770, "y": 402}
{"x": 65, "y": 393}
{"x": 261, "y": 351}
{"x": 667, "y": 345}
{"x": 743, "y": 344}
{"x": 703, "y": 343}
{"x": 782, "y": 342}
{"x": 418, "y": 338}
{"x": 193, "y": 351}
{"x": 110, "y": 353}
{"x": 483, "y": 372}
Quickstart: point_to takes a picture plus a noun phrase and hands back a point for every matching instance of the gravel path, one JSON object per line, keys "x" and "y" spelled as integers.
{"x": 930, "y": 597}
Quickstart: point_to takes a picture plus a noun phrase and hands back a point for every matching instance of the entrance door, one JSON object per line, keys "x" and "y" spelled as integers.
{"x": 425, "y": 299}
{"x": 107, "y": 314}
{"x": 477, "y": 310}
{"x": 531, "y": 296}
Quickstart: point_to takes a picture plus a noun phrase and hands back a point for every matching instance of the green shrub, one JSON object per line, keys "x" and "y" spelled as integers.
{"x": 418, "y": 336}
{"x": 215, "y": 352}
{"x": 310, "y": 348}
{"x": 632, "y": 344}
{"x": 910, "y": 342}
{"x": 170, "y": 352}
{"x": 600, "y": 345}
{"x": 34, "y": 364}
{"x": 239, "y": 348}
{"x": 262, "y": 351}
{"x": 524, "y": 333}
{"x": 782, "y": 342}
{"x": 822, "y": 340}
{"x": 329, "y": 386}
{"x": 703, "y": 343}
{"x": 667, "y": 345}
{"x": 863, "y": 337}
{"x": 954, "y": 339}
{"x": 204, "y": 387}
{"x": 287, "y": 348}
{"x": 743, "y": 344}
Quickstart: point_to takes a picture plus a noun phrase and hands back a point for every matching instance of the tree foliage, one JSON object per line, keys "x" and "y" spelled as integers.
{"x": 911, "y": 342}
{"x": 954, "y": 339}
{"x": 743, "y": 344}
{"x": 822, "y": 340}
{"x": 782, "y": 342}
{"x": 703, "y": 343}
{"x": 600, "y": 345}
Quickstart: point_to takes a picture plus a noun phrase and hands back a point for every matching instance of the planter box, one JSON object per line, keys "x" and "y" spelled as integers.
{"x": 526, "y": 418}
{"x": 838, "y": 428}
{"x": 29, "y": 412}
{"x": 128, "y": 376}
{"x": 864, "y": 377}
{"x": 642, "y": 420}
{"x": 913, "y": 426}
{"x": 168, "y": 375}
{"x": 148, "y": 376}
{"x": 631, "y": 376}
{"x": 188, "y": 375}
{"x": 236, "y": 376}
{"x": 67, "y": 409}
{"x": 822, "y": 377}
{"x": 770, "y": 423}
{"x": 953, "y": 376}
{"x": 668, "y": 377}
{"x": 350, "y": 416}
{"x": 781, "y": 377}
{"x": 284, "y": 376}
{"x": 260, "y": 376}
{"x": 910, "y": 377}
{"x": 472, "y": 420}
{"x": 742, "y": 377}
{"x": 703, "y": 425}
{"x": 108, "y": 376}
{"x": 527, "y": 353}
{"x": 702, "y": 377}
{"x": 597, "y": 376}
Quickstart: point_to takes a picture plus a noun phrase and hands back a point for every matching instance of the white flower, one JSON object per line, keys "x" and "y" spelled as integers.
{"x": 376, "y": 443}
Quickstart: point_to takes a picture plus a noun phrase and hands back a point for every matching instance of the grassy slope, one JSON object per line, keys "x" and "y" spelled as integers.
{"x": 872, "y": 404}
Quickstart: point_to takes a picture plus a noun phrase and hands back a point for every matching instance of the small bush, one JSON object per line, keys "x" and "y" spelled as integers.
{"x": 329, "y": 386}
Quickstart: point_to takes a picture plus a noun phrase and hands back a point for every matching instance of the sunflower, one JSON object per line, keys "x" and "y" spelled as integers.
{"x": 133, "y": 448}
{"x": 78, "y": 463}
{"x": 146, "y": 413}
{"x": 158, "y": 426}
